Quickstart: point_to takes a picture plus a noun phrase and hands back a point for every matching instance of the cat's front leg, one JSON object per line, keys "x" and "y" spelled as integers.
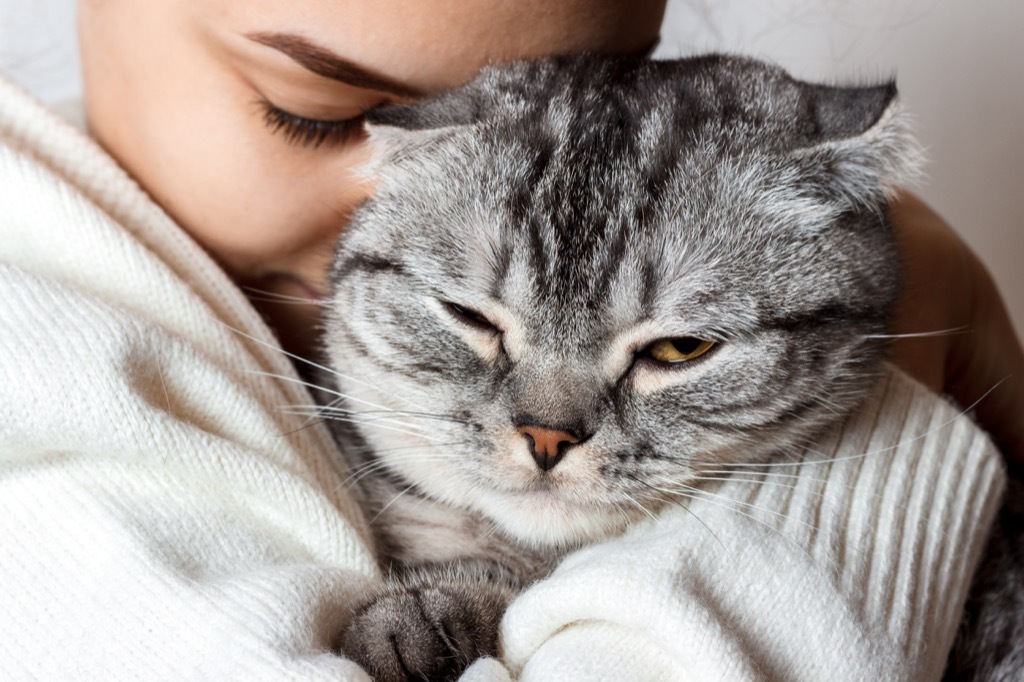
{"x": 430, "y": 625}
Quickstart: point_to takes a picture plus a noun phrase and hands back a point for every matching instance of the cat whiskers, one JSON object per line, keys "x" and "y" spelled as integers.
{"x": 636, "y": 503}
{"x": 763, "y": 472}
{"x": 420, "y": 415}
{"x": 373, "y": 466}
{"x": 348, "y": 417}
{"x": 829, "y": 406}
{"x": 815, "y": 454}
{"x": 397, "y": 497}
{"x": 318, "y": 366}
{"x": 265, "y": 296}
{"x": 373, "y": 450}
{"x": 918, "y": 335}
{"x": 330, "y": 411}
{"x": 394, "y": 499}
{"x": 725, "y": 477}
{"x": 725, "y": 471}
{"x": 692, "y": 492}
{"x": 672, "y": 498}
{"x": 332, "y": 405}
{"x": 385, "y": 414}
{"x": 813, "y": 457}
{"x": 323, "y": 389}
{"x": 736, "y": 507}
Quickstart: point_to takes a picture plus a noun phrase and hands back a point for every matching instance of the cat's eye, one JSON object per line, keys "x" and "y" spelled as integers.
{"x": 469, "y": 317}
{"x": 681, "y": 349}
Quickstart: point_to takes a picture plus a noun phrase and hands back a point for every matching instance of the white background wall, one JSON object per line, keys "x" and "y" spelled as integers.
{"x": 959, "y": 65}
{"x": 38, "y": 46}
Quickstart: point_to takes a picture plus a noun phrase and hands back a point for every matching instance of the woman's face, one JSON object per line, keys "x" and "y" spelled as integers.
{"x": 242, "y": 118}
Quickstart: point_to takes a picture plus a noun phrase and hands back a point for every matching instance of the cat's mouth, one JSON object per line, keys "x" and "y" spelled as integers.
{"x": 549, "y": 517}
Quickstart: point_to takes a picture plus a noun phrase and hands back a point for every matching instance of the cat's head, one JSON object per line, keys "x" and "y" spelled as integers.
{"x": 584, "y": 283}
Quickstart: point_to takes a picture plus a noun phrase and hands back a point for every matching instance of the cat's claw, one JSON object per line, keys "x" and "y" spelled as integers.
{"x": 425, "y": 632}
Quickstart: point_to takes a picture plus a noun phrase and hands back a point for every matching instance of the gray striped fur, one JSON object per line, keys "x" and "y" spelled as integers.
{"x": 588, "y": 207}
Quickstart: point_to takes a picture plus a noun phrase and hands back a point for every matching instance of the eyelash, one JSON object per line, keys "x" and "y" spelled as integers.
{"x": 308, "y": 132}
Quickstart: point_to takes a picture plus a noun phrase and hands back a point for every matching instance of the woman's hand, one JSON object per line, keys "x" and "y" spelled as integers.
{"x": 974, "y": 351}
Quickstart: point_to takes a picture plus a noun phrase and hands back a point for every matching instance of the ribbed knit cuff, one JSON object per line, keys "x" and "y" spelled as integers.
{"x": 849, "y": 561}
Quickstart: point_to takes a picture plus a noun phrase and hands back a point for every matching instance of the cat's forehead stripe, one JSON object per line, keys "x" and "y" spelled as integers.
{"x": 633, "y": 190}
{"x": 369, "y": 263}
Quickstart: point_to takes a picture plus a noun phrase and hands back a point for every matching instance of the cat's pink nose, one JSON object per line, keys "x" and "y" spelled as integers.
{"x": 547, "y": 445}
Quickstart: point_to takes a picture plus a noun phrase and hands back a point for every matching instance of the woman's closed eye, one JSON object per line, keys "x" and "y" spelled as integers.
{"x": 309, "y": 132}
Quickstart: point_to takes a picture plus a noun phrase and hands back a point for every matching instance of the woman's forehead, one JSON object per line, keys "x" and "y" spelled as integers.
{"x": 437, "y": 44}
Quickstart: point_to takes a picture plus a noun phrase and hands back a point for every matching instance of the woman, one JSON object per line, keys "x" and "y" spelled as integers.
{"x": 156, "y": 522}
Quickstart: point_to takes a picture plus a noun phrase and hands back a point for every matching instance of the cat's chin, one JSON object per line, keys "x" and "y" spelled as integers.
{"x": 540, "y": 519}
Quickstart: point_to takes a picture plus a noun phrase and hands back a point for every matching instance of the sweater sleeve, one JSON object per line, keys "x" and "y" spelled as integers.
{"x": 848, "y": 561}
{"x": 160, "y": 516}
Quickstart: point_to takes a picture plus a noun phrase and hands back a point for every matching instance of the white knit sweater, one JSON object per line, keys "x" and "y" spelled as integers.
{"x": 162, "y": 517}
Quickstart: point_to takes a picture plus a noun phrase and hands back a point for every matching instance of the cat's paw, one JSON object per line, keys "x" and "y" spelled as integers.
{"x": 426, "y": 632}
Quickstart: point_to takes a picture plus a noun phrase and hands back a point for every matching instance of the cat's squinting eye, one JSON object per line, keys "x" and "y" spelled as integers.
{"x": 470, "y": 317}
{"x": 677, "y": 350}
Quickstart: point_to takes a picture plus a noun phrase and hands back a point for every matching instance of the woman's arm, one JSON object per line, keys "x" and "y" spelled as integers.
{"x": 979, "y": 362}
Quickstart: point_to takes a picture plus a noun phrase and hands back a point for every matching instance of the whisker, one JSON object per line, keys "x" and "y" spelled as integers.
{"x": 285, "y": 300}
{"x": 315, "y": 365}
{"x": 698, "y": 494}
{"x": 394, "y": 499}
{"x": 681, "y": 506}
{"x": 827, "y": 484}
{"x": 274, "y": 297}
{"x": 774, "y": 474}
{"x": 639, "y": 506}
{"x": 422, "y": 415}
{"x": 355, "y": 417}
{"x": 862, "y": 455}
{"x": 918, "y": 335}
{"x": 374, "y": 450}
{"x": 742, "y": 480}
{"x": 319, "y": 388}
{"x": 397, "y": 413}
{"x": 305, "y": 425}
{"x": 799, "y": 463}
{"x": 376, "y": 424}
{"x": 830, "y": 406}
{"x": 369, "y": 468}
{"x": 702, "y": 494}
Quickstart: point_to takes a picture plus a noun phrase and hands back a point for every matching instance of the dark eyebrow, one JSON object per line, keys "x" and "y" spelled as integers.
{"x": 323, "y": 62}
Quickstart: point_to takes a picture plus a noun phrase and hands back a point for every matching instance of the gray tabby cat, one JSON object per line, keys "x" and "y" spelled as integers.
{"x": 583, "y": 280}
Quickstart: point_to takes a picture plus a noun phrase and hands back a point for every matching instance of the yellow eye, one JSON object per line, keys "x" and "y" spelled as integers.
{"x": 682, "y": 349}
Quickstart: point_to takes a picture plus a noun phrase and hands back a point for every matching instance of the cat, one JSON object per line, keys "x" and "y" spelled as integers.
{"x": 587, "y": 276}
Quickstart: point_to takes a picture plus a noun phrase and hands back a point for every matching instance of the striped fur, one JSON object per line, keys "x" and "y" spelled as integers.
{"x": 586, "y": 208}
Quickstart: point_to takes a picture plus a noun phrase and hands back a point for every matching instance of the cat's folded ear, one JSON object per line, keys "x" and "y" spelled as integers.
{"x": 860, "y": 148}
{"x": 458, "y": 107}
{"x": 403, "y": 130}
{"x": 507, "y": 87}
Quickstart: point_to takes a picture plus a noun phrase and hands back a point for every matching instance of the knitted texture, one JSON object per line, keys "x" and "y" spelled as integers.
{"x": 161, "y": 517}
{"x": 850, "y": 562}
